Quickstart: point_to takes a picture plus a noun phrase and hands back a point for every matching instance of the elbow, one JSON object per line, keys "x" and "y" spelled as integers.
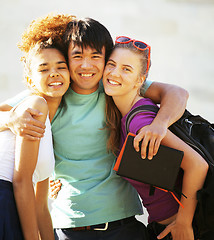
{"x": 20, "y": 183}
{"x": 185, "y": 94}
{"x": 182, "y": 96}
{"x": 17, "y": 183}
{"x": 205, "y": 166}
{"x": 202, "y": 167}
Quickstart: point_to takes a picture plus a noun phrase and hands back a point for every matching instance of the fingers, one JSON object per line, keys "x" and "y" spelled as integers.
{"x": 32, "y": 130}
{"x": 137, "y": 140}
{"x": 36, "y": 125}
{"x": 32, "y": 121}
{"x": 163, "y": 234}
{"x": 151, "y": 137}
{"x": 154, "y": 145}
{"x": 26, "y": 126}
{"x": 54, "y": 188}
{"x": 144, "y": 145}
{"x": 34, "y": 112}
{"x": 31, "y": 133}
{"x": 148, "y": 141}
{"x": 157, "y": 145}
{"x": 150, "y": 145}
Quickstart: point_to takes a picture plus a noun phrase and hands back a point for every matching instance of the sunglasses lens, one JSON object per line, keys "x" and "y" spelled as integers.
{"x": 123, "y": 39}
{"x": 140, "y": 45}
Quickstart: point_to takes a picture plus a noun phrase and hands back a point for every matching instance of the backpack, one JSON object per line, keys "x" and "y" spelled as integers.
{"x": 198, "y": 133}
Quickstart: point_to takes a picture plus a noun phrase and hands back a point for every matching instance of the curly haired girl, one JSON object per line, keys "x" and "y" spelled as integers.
{"x": 25, "y": 165}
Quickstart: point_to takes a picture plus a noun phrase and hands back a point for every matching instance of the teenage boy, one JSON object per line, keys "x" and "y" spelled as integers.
{"x": 93, "y": 203}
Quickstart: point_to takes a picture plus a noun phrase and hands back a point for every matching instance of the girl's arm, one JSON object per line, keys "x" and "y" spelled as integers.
{"x": 195, "y": 171}
{"x": 25, "y": 162}
{"x": 43, "y": 215}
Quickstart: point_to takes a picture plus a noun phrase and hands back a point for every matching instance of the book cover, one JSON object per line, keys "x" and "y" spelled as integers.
{"x": 161, "y": 171}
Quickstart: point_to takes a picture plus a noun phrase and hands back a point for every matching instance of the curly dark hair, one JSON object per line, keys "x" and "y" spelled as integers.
{"x": 43, "y": 28}
{"x": 42, "y": 33}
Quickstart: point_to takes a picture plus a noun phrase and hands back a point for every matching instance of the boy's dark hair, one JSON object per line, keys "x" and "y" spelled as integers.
{"x": 88, "y": 32}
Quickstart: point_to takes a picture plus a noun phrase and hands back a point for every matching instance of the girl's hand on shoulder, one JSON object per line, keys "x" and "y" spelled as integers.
{"x": 151, "y": 136}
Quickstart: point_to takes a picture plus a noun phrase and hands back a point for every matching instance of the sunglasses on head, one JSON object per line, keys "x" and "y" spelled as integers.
{"x": 137, "y": 44}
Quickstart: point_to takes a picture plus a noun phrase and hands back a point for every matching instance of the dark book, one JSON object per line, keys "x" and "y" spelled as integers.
{"x": 161, "y": 171}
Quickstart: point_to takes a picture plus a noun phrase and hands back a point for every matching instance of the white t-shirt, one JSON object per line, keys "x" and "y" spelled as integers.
{"x": 45, "y": 164}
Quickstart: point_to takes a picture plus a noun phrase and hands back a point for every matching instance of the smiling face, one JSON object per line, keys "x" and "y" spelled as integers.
{"x": 122, "y": 74}
{"x": 49, "y": 74}
{"x": 86, "y": 68}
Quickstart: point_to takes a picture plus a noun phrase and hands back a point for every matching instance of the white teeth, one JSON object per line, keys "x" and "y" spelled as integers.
{"x": 55, "y": 83}
{"x": 86, "y": 75}
{"x": 113, "y": 82}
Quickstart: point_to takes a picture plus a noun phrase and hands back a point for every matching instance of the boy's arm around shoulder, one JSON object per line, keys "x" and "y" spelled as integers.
{"x": 23, "y": 123}
{"x": 172, "y": 100}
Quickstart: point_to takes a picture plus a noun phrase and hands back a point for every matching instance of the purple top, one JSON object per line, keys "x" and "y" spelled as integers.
{"x": 161, "y": 205}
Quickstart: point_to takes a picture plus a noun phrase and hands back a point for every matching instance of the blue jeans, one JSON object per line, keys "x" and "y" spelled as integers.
{"x": 133, "y": 230}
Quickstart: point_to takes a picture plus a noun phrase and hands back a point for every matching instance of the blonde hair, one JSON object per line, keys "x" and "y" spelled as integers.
{"x": 113, "y": 115}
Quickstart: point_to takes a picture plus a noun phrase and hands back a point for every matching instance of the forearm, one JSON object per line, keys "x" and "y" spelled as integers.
{"x": 43, "y": 215}
{"x": 172, "y": 107}
{"x": 25, "y": 201}
{"x": 193, "y": 181}
{"x": 45, "y": 224}
{"x": 172, "y": 100}
{"x": 195, "y": 170}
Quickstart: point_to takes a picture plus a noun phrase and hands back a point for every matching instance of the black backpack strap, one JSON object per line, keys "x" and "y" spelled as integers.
{"x": 134, "y": 111}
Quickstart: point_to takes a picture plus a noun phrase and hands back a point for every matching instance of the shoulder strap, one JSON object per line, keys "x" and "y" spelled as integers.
{"x": 139, "y": 109}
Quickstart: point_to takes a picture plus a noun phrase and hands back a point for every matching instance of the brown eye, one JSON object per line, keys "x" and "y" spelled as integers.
{"x": 110, "y": 64}
{"x": 127, "y": 69}
{"x": 76, "y": 56}
{"x": 43, "y": 70}
{"x": 96, "y": 56}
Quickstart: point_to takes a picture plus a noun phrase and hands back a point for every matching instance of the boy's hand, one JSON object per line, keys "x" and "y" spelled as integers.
{"x": 151, "y": 135}
{"x": 24, "y": 124}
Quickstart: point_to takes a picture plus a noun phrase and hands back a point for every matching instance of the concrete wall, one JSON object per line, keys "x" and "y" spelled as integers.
{"x": 180, "y": 32}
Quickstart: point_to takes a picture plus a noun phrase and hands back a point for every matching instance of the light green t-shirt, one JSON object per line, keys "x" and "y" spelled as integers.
{"x": 91, "y": 192}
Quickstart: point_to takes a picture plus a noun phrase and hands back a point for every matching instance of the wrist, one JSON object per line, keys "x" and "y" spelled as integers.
{"x": 184, "y": 219}
{"x": 160, "y": 120}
